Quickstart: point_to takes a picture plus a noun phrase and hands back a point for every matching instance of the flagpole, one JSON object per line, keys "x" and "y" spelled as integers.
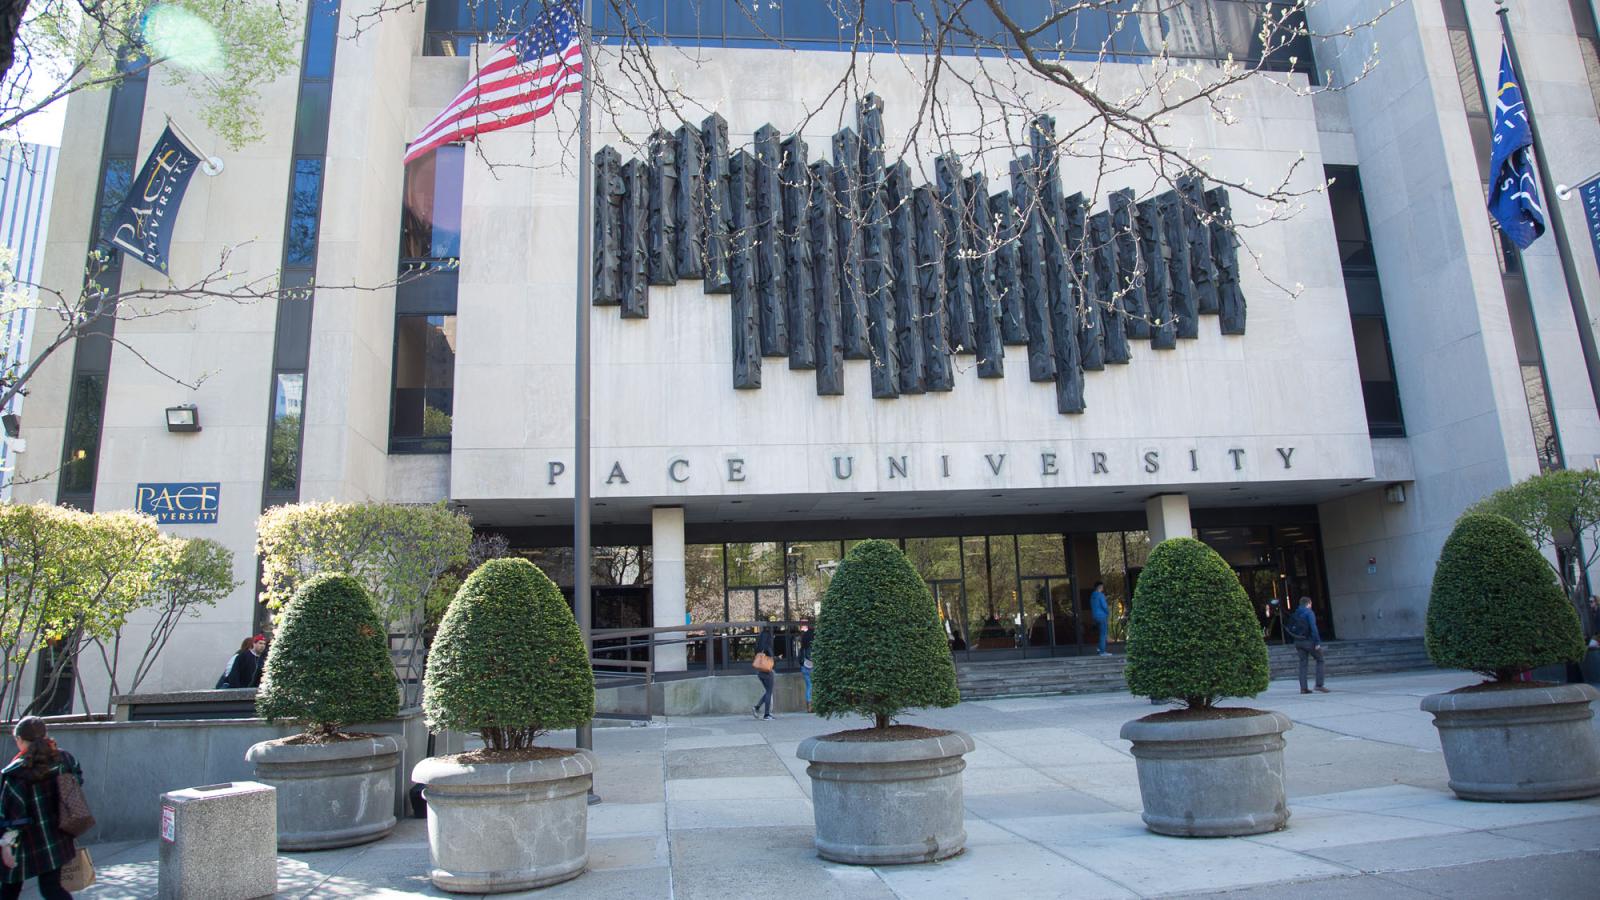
{"x": 1580, "y": 313}
{"x": 581, "y": 599}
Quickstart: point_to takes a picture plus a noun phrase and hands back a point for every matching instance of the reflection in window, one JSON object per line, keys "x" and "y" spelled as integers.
{"x": 704, "y": 598}
{"x": 811, "y": 568}
{"x": 430, "y": 226}
{"x": 82, "y": 450}
{"x": 625, "y": 565}
{"x": 322, "y": 31}
{"x": 303, "y": 209}
{"x": 113, "y": 190}
{"x": 288, "y": 409}
{"x": 750, "y": 565}
{"x": 424, "y": 382}
{"x": 1368, "y": 324}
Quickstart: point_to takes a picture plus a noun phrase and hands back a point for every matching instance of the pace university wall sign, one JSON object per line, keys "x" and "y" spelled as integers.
{"x": 192, "y": 503}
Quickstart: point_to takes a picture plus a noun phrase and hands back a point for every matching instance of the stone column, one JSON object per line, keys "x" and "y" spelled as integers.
{"x": 667, "y": 582}
{"x": 1166, "y": 516}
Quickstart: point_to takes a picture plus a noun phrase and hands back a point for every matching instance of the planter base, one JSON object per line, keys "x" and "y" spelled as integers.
{"x": 1519, "y": 745}
{"x": 1211, "y": 777}
{"x": 497, "y": 827}
{"x": 330, "y": 795}
{"x": 889, "y": 802}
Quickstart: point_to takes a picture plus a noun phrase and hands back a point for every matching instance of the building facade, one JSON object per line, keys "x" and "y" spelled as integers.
{"x": 27, "y": 182}
{"x": 1368, "y": 367}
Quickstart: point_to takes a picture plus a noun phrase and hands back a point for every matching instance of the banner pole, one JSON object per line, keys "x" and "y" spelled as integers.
{"x": 1580, "y": 309}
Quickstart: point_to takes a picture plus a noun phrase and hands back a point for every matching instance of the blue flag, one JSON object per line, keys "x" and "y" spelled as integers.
{"x": 142, "y": 226}
{"x": 1513, "y": 192}
{"x": 1589, "y": 192}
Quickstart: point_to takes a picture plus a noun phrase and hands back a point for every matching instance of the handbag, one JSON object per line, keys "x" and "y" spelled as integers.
{"x": 78, "y": 874}
{"x": 72, "y": 808}
{"x": 762, "y": 663}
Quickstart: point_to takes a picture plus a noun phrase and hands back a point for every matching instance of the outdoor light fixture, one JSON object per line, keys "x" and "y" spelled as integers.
{"x": 13, "y": 424}
{"x": 183, "y": 417}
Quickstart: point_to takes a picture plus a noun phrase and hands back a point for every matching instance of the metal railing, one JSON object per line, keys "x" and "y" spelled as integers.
{"x": 628, "y": 655}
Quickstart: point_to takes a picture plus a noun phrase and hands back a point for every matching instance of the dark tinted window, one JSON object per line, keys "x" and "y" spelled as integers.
{"x": 431, "y": 212}
{"x": 82, "y": 450}
{"x": 288, "y": 411}
{"x": 303, "y": 209}
{"x": 424, "y": 381}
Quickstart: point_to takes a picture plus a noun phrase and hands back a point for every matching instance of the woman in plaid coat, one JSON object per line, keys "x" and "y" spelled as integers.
{"x": 32, "y": 846}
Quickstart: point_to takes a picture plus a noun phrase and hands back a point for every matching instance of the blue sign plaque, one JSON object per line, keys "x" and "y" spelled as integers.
{"x": 193, "y": 503}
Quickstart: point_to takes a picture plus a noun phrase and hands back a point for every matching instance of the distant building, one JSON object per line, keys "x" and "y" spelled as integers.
{"x": 27, "y": 179}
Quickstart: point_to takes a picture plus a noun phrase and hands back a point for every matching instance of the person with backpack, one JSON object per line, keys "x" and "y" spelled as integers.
{"x": 1302, "y": 627}
{"x": 33, "y": 844}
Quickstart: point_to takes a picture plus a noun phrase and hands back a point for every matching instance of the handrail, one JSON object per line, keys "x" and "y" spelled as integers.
{"x": 716, "y": 639}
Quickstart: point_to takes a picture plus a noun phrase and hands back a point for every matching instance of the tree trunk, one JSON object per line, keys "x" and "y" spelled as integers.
{"x": 11, "y": 12}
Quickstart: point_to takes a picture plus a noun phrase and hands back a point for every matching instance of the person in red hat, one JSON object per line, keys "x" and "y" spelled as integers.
{"x": 244, "y": 670}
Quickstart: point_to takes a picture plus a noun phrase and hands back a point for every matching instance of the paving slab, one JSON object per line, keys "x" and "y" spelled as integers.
{"x": 1152, "y": 864}
{"x": 1428, "y": 852}
{"x": 985, "y": 872}
{"x": 773, "y": 861}
{"x": 735, "y": 789}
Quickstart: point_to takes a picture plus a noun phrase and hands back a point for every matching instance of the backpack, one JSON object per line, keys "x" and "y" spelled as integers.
{"x": 1295, "y": 628}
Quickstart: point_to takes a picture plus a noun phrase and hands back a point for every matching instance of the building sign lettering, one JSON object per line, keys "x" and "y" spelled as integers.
{"x": 189, "y": 503}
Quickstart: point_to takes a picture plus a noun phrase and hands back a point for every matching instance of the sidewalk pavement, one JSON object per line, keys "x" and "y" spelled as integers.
{"x": 712, "y": 807}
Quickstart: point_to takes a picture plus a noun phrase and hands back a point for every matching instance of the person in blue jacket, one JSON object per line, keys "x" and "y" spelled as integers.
{"x": 1302, "y": 626}
{"x": 1100, "y": 611}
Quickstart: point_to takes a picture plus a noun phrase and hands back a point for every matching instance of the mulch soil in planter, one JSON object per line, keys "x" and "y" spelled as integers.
{"x": 338, "y": 737}
{"x": 892, "y": 733}
{"x": 1503, "y": 686}
{"x": 480, "y": 757}
{"x": 1201, "y": 715}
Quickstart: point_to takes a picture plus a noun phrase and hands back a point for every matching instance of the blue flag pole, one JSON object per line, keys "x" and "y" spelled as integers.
{"x": 1591, "y": 358}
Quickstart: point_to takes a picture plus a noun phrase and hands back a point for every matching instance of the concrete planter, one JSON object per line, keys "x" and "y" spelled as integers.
{"x": 1211, "y": 777}
{"x": 1519, "y": 744}
{"x": 496, "y": 827}
{"x": 888, "y": 802}
{"x": 330, "y": 795}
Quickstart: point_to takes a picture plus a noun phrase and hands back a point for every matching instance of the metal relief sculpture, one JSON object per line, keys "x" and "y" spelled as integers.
{"x": 829, "y": 342}
{"x": 1007, "y": 274}
{"x": 798, "y": 269}
{"x": 847, "y": 203}
{"x": 1031, "y": 270}
{"x": 608, "y": 193}
{"x": 938, "y": 374}
{"x": 663, "y": 208}
{"x": 742, "y": 274}
{"x": 1225, "y": 254}
{"x": 718, "y": 208}
{"x": 771, "y": 285}
{"x": 691, "y": 206}
{"x": 850, "y": 259}
{"x": 981, "y": 266}
{"x": 635, "y": 240}
{"x": 957, "y": 247}
{"x": 878, "y": 282}
{"x": 907, "y": 292}
{"x": 1179, "y": 272}
{"x": 1105, "y": 294}
{"x": 1091, "y": 330}
{"x": 1202, "y": 270}
{"x": 1130, "y": 268}
{"x": 1153, "y": 254}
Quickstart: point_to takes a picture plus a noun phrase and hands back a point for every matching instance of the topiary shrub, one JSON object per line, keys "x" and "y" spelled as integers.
{"x": 508, "y": 660}
{"x": 879, "y": 647}
{"x": 1495, "y": 607}
{"x": 329, "y": 664}
{"x": 1193, "y": 635}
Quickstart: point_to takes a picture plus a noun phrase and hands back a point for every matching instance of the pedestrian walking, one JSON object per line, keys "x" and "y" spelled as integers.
{"x": 763, "y": 665}
{"x": 33, "y": 845}
{"x": 804, "y": 658}
{"x": 1100, "y": 611}
{"x": 244, "y": 670}
{"x": 1302, "y": 627}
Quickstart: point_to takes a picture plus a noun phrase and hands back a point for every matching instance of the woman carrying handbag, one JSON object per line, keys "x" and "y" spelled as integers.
{"x": 33, "y": 845}
{"x": 763, "y": 665}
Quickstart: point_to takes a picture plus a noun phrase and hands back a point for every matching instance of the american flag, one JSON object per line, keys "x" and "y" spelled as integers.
{"x": 518, "y": 83}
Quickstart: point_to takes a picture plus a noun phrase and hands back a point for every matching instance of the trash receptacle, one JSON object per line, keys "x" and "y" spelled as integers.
{"x": 219, "y": 842}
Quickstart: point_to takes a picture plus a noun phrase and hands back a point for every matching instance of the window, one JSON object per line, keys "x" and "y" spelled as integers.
{"x": 288, "y": 408}
{"x": 304, "y": 208}
{"x": 118, "y": 178}
{"x": 1368, "y": 323}
{"x": 430, "y": 219}
{"x": 322, "y": 32}
{"x": 81, "y": 453}
{"x": 424, "y": 383}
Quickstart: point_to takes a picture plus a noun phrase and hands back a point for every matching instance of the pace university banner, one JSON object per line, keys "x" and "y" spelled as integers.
{"x": 1589, "y": 191}
{"x": 143, "y": 224}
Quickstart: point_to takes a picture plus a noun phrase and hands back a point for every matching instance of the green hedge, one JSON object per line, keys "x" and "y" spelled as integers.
{"x": 1496, "y": 607}
{"x": 329, "y": 664}
{"x": 508, "y": 660}
{"x": 879, "y": 648}
{"x": 1193, "y": 635}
